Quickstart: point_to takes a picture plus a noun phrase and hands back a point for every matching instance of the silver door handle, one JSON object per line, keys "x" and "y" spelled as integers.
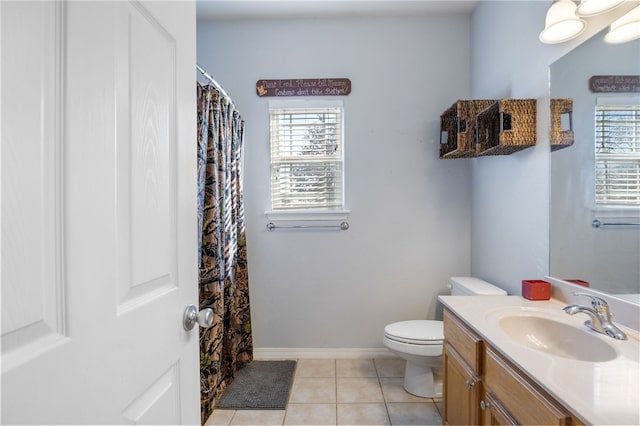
{"x": 191, "y": 316}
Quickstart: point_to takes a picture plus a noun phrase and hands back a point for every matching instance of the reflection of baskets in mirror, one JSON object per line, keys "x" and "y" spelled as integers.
{"x": 561, "y": 123}
{"x": 507, "y": 126}
{"x": 457, "y": 136}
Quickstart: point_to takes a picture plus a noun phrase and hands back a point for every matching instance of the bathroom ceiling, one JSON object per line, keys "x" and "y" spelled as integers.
{"x": 285, "y": 9}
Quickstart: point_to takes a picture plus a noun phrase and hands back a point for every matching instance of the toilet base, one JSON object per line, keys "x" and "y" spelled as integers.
{"x": 420, "y": 380}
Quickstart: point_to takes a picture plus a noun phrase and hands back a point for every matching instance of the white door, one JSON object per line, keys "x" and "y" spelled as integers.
{"x": 99, "y": 255}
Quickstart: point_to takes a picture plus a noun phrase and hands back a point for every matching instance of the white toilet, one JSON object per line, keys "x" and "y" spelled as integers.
{"x": 419, "y": 342}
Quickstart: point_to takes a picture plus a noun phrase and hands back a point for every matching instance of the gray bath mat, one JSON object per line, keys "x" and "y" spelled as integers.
{"x": 263, "y": 385}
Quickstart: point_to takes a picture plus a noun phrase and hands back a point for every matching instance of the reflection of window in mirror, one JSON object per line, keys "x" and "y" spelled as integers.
{"x": 617, "y": 152}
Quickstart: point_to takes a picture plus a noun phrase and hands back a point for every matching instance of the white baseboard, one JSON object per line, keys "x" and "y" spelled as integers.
{"x": 321, "y": 353}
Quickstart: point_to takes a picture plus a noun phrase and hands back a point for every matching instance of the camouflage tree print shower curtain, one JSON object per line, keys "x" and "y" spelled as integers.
{"x": 223, "y": 279}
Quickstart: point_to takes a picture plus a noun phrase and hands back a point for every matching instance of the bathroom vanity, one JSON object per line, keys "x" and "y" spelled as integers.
{"x": 508, "y": 360}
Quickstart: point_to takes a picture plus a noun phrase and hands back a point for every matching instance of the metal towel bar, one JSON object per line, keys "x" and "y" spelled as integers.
{"x": 598, "y": 224}
{"x": 272, "y": 227}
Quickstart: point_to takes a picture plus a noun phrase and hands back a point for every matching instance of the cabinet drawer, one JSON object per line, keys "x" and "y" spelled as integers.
{"x": 527, "y": 404}
{"x": 466, "y": 342}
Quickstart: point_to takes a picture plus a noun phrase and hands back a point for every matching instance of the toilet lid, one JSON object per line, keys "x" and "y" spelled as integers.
{"x": 422, "y": 332}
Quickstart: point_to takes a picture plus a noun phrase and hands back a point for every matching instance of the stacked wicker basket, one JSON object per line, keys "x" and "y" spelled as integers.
{"x": 473, "y": 128}
{"x": 561, "y": 137}
{"x": 457, "y": 128}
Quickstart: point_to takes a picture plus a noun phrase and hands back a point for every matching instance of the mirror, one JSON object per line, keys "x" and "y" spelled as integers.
{"x": 606, "y": 257}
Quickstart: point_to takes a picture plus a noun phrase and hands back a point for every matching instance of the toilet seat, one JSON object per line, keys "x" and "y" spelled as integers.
{"x": 421, "y": 342}
{"x": 416, "y": 332}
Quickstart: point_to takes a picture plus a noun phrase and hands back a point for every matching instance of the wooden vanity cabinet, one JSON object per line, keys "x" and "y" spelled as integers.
{"x": 462, "y": 361}
{"x": 481, "y": 387}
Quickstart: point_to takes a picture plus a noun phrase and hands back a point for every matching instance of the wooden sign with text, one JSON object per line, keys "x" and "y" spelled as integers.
{"x": 304, "y": 87}
{"x": 614, "y": 83}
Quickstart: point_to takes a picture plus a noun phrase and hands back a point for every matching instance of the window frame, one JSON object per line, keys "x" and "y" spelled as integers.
{"x": 315, "y": 213}
{"x": 602, "y": 103}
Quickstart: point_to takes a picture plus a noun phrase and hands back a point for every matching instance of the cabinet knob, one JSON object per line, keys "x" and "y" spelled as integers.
{"x": 470, "y": 384}
{"x": 484, "y": 405}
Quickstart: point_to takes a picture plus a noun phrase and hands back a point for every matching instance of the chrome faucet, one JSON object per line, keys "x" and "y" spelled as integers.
{"x": 600, "y": 316}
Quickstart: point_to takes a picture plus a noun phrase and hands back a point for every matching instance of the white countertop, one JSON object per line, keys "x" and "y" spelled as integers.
{"x": 600, "y": 393}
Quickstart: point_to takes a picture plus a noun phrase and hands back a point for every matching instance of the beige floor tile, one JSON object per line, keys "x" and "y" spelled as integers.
{"x": 257, "y": 417}
{"x": 316, "y": 368}
{"x": 414, "y": 413}
{"x": 390, "y": 367}
{"x": 313, "y": 390}
{"x": 310, "y": 414}
{"x": 319, "y": 398}
{"x": 220, "y": 417}
{"x": 359, "y": 390}
{"x": 393, "y": 391}
{"x": 362, "y": 414}
{"x": 355, "y": 368}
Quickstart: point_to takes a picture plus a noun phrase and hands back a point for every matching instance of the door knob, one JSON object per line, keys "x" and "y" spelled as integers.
{"x": 191, "y": 316}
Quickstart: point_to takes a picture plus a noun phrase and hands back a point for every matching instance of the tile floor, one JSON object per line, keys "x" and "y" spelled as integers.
{"x": 343, "y": 392}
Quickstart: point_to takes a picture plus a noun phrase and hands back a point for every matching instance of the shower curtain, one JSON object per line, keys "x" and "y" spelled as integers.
{"x": 223, "y": 279}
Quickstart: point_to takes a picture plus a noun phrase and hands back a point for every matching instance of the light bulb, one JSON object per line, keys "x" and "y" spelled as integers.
{"x": 595, "y": 7}
{"x": 561, "y": 23}
{"x": 625, "y": 29}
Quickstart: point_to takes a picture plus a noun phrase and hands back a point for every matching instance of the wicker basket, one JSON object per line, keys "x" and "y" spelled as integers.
{"x": 507, "y": 126}
{"x": 457, "y": 137}
{"x": 561, "y": 138}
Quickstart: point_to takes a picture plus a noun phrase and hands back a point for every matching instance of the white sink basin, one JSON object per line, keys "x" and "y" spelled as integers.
{"x": 555, "y": 337}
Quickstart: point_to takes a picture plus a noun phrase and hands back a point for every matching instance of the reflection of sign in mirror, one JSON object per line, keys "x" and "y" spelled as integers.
{"x": 614, "y": 83}
{"x": 304, "y": 87}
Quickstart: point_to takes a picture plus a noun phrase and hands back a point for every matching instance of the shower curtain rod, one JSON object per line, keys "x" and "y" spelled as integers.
{"x": 212, "y": 81}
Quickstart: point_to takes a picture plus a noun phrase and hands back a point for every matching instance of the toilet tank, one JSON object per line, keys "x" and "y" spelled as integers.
{"x": 470, "y": 286}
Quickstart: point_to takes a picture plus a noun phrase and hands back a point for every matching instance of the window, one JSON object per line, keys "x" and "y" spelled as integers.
{"x": 617, "y": 155}
{"x": 307, "y": 155}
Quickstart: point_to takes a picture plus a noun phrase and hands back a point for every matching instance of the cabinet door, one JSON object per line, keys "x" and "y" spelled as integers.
{"x": 494, "y": 413}
{"x": 461, "y": 390}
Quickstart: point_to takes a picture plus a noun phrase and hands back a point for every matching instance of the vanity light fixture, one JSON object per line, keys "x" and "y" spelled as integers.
{"x": 626, "y": 28}
{"x": 595, "y": 7}
{"x": 562, "y": 23}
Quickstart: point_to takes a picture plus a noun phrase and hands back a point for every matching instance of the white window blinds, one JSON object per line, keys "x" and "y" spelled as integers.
{"x": 306, "y": 157}
{"x": 617, "y": 155}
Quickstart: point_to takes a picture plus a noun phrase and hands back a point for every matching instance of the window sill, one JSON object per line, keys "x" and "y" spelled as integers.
{"x": 614, "y": 212}
{"x": 308, "y": 215}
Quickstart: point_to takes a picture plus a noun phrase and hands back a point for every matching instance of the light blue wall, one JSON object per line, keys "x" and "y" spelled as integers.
{"x": 510, "y": 201}
{"x": 510, "y": 195}
{"x": 416, "y": 220}
{"x": 410, "y": 211}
